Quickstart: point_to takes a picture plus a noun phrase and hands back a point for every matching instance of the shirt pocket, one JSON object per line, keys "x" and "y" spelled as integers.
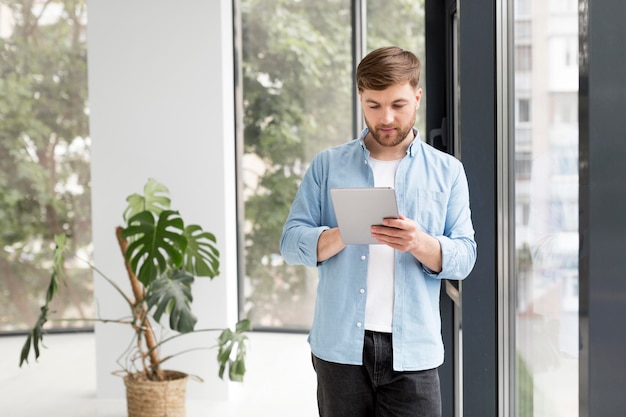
{"x": 431, "y": 211}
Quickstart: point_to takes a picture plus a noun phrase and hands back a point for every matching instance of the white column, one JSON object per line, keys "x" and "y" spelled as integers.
{"x": 161, "y": 105}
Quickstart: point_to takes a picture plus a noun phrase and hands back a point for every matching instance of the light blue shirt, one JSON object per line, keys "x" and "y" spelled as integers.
{"x": 431, "y": 188}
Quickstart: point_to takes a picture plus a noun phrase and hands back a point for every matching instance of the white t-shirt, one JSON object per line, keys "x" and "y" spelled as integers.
{"x": 380, "y": 270}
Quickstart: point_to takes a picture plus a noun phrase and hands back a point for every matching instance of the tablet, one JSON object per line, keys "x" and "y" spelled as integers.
{"x": 357, "y": 209}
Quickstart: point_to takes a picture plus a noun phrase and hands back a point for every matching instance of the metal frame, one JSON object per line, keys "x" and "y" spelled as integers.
{"x": 455, "y": 290}
{"x": 505, "y": 216}
{"x": 456, "y": 145}
{"x": 239, "y": 146}
{"x": 602, "y": 204}
{"x": 358, "y": 9}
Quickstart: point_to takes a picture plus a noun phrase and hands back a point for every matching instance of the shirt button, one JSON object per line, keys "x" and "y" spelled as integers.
{"x": 359, "y": 324}
{"x": 363, "y": 257}
{"x": 362, "y": 291}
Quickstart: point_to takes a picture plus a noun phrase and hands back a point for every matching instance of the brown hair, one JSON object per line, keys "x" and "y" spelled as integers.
{"x": 387, "y": 66}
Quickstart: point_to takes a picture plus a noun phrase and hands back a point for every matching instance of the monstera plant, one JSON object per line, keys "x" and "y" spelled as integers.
{"x": 163, "y": 257}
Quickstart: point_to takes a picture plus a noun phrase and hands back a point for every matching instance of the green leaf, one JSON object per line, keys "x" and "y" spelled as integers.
{"x": 172, "y": 295}
{"x": 244, "y": 325}
{"x": 35, "y": 337}
{"x": 201, "y": 257}
{"x": 57, "y": 266}
{"x": 36, "y": 334}
{"x": 155, "y": 199}
{"x": 26, "y": 350}
{"x": 237, "y": 369}
{"x": 154, "y": 247}
{"x": 229, "y": 340}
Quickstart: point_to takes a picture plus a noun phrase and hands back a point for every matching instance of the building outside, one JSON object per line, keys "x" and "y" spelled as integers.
{"x": 546, "y": 203}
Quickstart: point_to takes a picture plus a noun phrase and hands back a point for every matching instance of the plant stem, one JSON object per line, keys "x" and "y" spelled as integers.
{"x": 139, "y": 310}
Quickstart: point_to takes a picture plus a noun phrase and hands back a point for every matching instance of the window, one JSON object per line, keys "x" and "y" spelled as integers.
{"x": 522, "y": 31}
{"x": 564, "y": 109}
{"x": 383, "y": 29}
{"x": 523, "y": 58}
{"x": 521, "y": 213}
{"x": 296, "y": 100}
{"x": 297, "y": 65}
{"x": 44, "y": 143}
{"x": 571, "y": 53}
{"x": 546, "y": 197}
{"x": 523, "y": 110}
{"x": 523, "y": 8}
{"x": 523, "y": 164}
{"x": 563, "y": 6}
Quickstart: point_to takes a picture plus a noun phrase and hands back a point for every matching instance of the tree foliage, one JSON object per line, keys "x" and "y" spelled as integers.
{"x": 297, "y": 83}
{"x": 44, "y": 144}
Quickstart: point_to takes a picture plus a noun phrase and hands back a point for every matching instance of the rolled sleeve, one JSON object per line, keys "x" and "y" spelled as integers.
{"x": 298, "y": 245}
{"x": 457, "y": 257}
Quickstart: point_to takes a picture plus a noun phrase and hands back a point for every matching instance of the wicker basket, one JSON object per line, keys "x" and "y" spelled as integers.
{"x": 147, "y": 398}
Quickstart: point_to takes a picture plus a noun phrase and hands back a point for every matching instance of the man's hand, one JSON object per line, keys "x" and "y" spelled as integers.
{"x": 405, "y": 235}
{"x": 329, "y": 244}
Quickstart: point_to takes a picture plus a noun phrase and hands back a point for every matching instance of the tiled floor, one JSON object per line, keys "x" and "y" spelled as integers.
{"x": 64, "y": 384}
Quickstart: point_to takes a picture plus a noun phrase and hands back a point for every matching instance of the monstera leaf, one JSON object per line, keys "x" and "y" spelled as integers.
{"x": 154, "y": 246}
{"x": 154, "y": 199}
{"x": 172, "y": 295}
{"x": 201, "y": 257}
{"x": 228, "y": 341}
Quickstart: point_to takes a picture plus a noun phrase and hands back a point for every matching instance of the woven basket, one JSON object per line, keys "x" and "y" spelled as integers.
{"x": 147, "y": 398}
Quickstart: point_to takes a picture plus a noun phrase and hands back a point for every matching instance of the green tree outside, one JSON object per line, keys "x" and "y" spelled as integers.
{"x": 44, "y": 148}
{"x": 297, "y": 79}
{"x": 297, "y": 88}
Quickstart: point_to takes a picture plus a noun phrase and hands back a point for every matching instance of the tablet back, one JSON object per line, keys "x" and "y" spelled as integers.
{"x": 357, "y": 209}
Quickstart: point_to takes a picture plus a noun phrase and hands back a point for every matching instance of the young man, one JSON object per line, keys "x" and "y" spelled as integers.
{"x": 376, "y": 335}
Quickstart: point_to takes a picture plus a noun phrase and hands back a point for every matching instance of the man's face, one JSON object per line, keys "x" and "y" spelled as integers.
{"x": 390, "y": 114}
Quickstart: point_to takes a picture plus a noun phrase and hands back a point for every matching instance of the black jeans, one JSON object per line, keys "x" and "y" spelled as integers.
{"x": 374, "y": 389}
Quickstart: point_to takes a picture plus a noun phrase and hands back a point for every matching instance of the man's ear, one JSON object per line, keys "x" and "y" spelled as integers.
{"x": 418, "y": 95}
{"x": 418, "y": 98}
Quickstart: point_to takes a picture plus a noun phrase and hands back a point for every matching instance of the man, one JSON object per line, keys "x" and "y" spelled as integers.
{"x": 376, "y": 334}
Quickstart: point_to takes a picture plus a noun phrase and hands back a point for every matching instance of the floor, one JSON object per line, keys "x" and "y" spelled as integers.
{"x": 64, "y": 384}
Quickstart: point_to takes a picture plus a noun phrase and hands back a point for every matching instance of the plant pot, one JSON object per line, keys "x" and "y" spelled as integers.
{"x": 147, "y": 398}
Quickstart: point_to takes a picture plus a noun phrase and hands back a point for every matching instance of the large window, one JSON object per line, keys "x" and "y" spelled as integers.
{"x": 546, "y": 227}
{"x": 44, "y": 156}
{"x": 401, "y": 23}
{"x": 297, "y": 63}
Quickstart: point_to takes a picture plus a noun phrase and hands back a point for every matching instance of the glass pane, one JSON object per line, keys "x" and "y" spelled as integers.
{"x": 297, "y": 99}
{"x": 44, "y": 164}
{"x": 297, "y": 84}
{"x": 400, "y": 23}
{"x": 546, "y": 209}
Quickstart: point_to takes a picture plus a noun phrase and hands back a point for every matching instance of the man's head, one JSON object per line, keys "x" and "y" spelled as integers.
{"x": 387, "y": 66}
{"x": 388, "y": 79}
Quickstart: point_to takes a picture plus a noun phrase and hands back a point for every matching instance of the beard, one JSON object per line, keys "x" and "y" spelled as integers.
{"x": 387, "y": 139}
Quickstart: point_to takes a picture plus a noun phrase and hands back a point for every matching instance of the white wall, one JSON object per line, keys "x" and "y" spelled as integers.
{"x": 161, "y": 103}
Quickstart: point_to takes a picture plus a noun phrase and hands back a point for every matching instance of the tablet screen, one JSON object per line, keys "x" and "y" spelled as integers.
{"x": 357, "y": 209}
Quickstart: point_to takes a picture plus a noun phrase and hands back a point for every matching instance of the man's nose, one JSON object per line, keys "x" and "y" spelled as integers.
{"x": 387, "y": 116}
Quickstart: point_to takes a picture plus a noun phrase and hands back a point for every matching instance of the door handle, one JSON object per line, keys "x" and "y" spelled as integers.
{"x": 442, "y": 133}
{"x": 453, "y": 293}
